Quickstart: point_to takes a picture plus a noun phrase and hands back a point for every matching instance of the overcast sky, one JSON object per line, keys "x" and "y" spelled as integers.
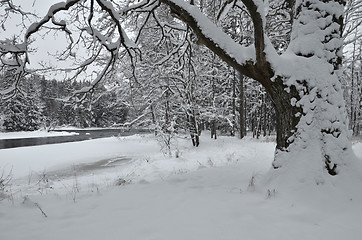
{"x": 50, "y": 44}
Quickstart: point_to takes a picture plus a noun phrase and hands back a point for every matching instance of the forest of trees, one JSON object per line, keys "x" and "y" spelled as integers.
{"x": 46, "y": 104}
{"x": 230, "y": 65}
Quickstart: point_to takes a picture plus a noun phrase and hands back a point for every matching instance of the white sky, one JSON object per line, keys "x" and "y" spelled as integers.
{"x": 50, "y": 44}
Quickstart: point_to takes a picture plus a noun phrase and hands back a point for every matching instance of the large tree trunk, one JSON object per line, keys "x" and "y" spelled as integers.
{"x": 311, "y": 115}
{"x": 312, "y": 133}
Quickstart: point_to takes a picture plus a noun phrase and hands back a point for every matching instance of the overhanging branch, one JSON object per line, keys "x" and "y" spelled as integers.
{"x": 250, "y": 61}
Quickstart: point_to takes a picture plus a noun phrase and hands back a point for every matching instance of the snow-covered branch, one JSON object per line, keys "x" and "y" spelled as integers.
{"x": 211, "y": 35}
{"x": 58, "y": 7}
{"x": 250, "y": 61}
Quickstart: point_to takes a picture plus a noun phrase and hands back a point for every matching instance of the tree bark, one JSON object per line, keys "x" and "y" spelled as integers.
{"x": 285, "y": 113}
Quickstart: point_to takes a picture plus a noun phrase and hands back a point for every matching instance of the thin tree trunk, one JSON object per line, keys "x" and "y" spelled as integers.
{"x": 213, "y": 129}
{"x": 242, "y": 122}
{"x": 153, "y": 118}
{"x": 233, "y": 105}
{"x": 194, "y": 128}
{"x": 353, "y": 97}
{"x": 264, "y": 116}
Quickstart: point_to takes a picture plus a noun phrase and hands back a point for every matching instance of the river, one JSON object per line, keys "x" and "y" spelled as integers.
{"x": 83, "y": 134}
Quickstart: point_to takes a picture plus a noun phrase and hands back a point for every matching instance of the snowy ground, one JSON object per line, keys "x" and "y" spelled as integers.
{"x": 34, "y": 134}
{"x": 91, "y": 190}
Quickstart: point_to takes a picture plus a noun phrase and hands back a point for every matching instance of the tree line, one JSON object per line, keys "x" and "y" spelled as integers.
{"x": 42, "y": 103}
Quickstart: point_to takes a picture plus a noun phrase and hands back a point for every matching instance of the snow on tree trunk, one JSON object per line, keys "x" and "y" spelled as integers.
{"x": 312, "y": 132}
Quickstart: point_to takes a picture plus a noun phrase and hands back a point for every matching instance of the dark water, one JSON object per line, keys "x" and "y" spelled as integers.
{"x": 82, "y": 136}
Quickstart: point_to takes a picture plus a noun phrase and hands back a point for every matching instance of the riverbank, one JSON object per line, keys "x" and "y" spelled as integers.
{"x": 35, "y": 134}
{"x": 26, "y": 139}
{"x": 212, "y": 192}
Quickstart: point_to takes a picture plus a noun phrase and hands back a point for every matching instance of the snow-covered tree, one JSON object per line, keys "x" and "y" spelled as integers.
{"x": 21, "y": 114}
{"x": 22, "y": 110}
{"x": 303, "y": 82}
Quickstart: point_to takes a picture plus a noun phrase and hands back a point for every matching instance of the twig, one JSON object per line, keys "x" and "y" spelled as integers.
{"x": 37, "y": 205}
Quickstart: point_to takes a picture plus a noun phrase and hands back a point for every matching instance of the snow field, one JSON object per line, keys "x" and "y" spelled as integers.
{"x": 210, "y": 192}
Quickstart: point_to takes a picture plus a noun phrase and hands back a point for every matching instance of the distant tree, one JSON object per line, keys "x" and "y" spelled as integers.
{"x": 107, "y": 110}
{"x": 20, "y": 108}
{"x": 20, "y": 114}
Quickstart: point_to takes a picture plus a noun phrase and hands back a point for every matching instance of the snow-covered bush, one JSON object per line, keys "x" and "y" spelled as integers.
{"x": 5, "y": 183}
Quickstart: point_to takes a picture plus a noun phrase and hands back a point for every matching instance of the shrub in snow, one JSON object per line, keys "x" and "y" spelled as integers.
{"x": 121, "y": 181}
{"x": 5, "y": 184}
